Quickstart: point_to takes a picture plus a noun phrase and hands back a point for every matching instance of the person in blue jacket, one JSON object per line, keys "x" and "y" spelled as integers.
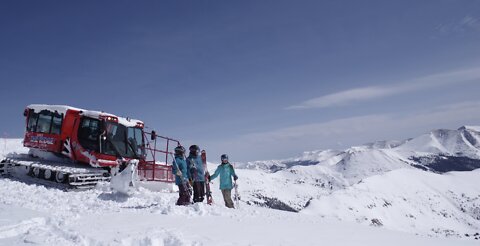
{"x": 226, "y": 172}
{"x": 197, "y": 173}
{"x": 181, "y": 176}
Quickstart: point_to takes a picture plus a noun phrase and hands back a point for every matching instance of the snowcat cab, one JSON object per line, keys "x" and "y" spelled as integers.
{"x": 97, "y": 143}
{"x": 94, "y": 138}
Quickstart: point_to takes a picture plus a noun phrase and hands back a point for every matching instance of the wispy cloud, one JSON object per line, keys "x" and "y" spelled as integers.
{"x": 375, "y": 92}
{"x": 345, "y": 97}
{"x": 445, "y": 114}
{"x": 467, "y": 23}
{"x": 287, "y": 142}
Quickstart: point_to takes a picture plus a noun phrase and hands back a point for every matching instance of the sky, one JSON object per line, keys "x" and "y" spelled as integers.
{"x": 253, "y": 79}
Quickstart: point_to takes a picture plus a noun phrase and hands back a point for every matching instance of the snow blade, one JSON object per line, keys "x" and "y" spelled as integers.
{"x": 123, "y": 180}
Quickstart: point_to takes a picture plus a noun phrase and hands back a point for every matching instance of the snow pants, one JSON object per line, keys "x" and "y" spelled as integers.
{"x": 184, "y": 195}
{"x": 227, "y": 197}
{"x": 198, "y": 191}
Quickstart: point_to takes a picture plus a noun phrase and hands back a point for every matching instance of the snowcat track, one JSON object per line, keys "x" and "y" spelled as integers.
{"x": 70, "y": 175}
{"x": 5, "y": 168}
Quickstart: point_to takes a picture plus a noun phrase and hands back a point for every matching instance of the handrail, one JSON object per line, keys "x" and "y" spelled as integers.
{"x": 152, "y": 165}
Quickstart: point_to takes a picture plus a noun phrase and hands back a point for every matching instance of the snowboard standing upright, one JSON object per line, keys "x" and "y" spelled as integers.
{"x": 208, "y": 192}
{"x": 236, "y": 196}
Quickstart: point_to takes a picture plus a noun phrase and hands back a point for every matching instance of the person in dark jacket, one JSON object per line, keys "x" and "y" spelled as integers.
{"x": 226, "y": 172}
{"x": 197, "y": 173}
{"x": 181, "y": 176}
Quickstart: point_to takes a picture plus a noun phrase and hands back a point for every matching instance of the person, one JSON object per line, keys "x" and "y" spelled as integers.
{"x": 181, "y": 176}
{"x": 226, "y": 172}
{"x": 197, "y": 173}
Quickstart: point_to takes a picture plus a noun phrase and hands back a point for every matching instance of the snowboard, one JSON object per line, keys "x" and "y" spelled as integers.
{"x": 236, "y": 195}
{"x": 208, "y": 191}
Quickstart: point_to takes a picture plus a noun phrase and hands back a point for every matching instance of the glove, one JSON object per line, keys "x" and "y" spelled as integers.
{"x": 179, "y": 173}
{"x": 208, "y": 177}
{"x": 235, "y": 177}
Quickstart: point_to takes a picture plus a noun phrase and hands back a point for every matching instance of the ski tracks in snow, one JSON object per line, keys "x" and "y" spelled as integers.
{"x": 158, "y": 237}
{"x": 41, "y": 231}
{"x": 20, "y": 228}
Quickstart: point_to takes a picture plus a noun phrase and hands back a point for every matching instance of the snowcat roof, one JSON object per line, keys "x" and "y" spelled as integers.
{"x": 62, "y": 109}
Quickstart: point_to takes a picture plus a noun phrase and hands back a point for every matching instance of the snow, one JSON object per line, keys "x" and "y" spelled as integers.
{"x": 365, "y": 195}
{"x": 472, "y": 128}
{"x": 463, "y": 141}
{"x": 62, "y": 109}
{"x": 38, "y": 215}
{"x": 357, "y": 165}
{"x": 425, "y": 203}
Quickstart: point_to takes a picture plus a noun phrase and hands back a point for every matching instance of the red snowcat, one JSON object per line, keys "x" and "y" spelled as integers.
{"x": 80, "y": 147}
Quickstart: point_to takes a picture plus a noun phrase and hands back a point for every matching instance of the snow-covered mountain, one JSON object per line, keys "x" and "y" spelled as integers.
{"x": 437, "y": 151}
{"x": 369, "y": 182}
{"x": 409, "y": 200}
{"x": 405, "y": 187}
{"x": 429, "y": 151}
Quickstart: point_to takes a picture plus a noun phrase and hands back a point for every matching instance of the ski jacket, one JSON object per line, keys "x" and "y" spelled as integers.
{"x": 226, "y": 173}
{"x": 196, "y": 169}
{"x": 182, "y": 165}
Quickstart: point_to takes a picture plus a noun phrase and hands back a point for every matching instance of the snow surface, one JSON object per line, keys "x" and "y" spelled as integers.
{"x": 424, "y": 203}
{"x": 366, "y": 195}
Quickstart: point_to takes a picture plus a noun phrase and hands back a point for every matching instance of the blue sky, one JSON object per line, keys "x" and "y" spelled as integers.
{"x": 254, "y": 79}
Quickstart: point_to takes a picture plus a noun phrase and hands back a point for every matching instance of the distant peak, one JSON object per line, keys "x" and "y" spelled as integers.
{"x": 471, "y": 128}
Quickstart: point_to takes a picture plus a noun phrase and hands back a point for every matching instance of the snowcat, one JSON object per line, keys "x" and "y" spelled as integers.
{"x": 80, "y": 147}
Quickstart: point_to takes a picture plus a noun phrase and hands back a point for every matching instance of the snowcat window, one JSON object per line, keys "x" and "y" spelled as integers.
{"x": 116, "y": 135}
{"x": 126, "y": 141}
{"x": 135, "y": 138}
{"x": 57, "y": 124}
{"x": 44, "y": 122}
{"x": 32, "y": 121}
{"x": 88, "y": 133}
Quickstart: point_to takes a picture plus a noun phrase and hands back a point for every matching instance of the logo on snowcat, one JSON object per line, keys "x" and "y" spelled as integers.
{"x": 42, "y": 139}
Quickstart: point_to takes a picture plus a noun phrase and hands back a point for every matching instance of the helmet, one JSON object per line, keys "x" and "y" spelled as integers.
{"x": 194, "y": 149}
{"x": 179, "y": 150}
{"x": 224, "y": 157}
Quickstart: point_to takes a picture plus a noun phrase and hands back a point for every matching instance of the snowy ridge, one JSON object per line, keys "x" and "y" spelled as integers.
{"x": 425, "y": 203}
{"x": 318, "y": 177}
{"x": 471, "y": 128}
{"x": 317, "y": 173}
{"x": 384, "y": 156}
{"x": 462, "y": 142}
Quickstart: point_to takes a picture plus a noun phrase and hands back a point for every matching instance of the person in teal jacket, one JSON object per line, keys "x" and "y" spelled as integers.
{"x": 226, "y": 172}
{"x": 179, "y": 169}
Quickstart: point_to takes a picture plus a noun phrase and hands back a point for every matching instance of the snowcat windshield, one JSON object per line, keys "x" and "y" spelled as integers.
{"x": 135, "y": 140}
{"x": 123, "y": 141}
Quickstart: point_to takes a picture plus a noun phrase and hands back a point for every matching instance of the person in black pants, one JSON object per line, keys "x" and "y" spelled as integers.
{"x": 197, "y": 173}
{"x": 181, "y": 176}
